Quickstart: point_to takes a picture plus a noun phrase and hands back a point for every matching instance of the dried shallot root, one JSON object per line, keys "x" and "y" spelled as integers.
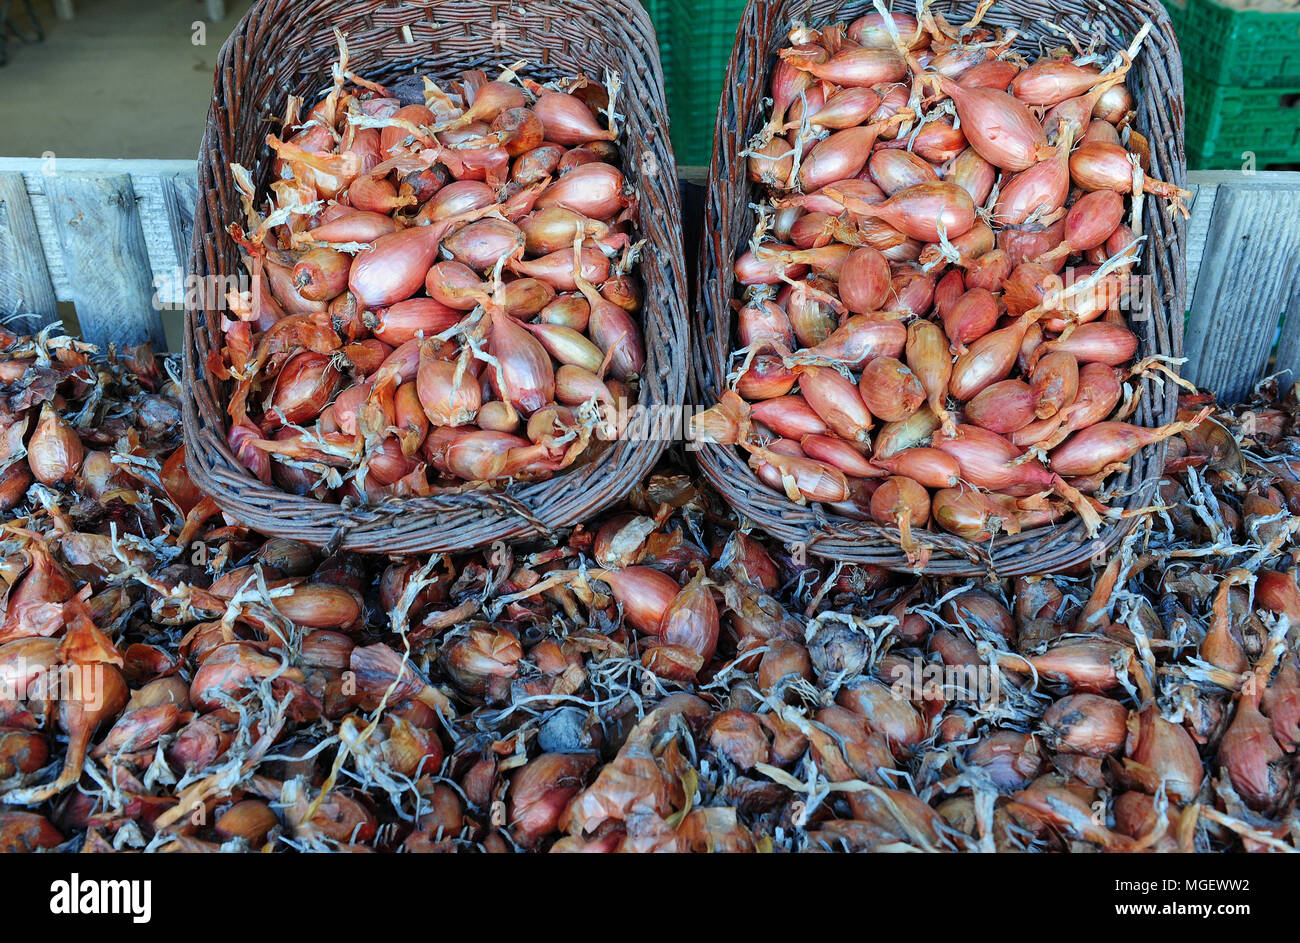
{"x": 935, "y": 295}
{"x": 659, "y": 678}
{"x": 443, "y": 288}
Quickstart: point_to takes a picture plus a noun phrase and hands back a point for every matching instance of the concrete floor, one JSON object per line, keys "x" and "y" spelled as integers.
{"x": 124, "y": 78}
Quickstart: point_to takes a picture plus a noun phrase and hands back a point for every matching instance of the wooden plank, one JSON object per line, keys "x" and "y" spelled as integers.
{"x": 179, "y": 191}
{"x": 1288, "y": 344}
{"x": 103, "y": 248}
{"x": 696, "y": 174}
{"x": 153, "y": 182}
{"x": 136, "y": 167}
{"x": 1198, "y": 227}
{"x": 1262, "y": 178}
{"x": 26, "y": 293}
{"x": 1204, "y": 185}
{"x": 1251, "y": 256}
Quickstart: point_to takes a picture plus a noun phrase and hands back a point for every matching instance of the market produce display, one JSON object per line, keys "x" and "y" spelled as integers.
{"x": 443, "y": 290}
{"x": 931, "y": 330}
{"x": 657, "y": 679}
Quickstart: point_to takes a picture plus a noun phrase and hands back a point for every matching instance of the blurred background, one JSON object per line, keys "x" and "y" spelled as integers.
{"x": 122, "y": 78}
{"x": 131, "y": 78}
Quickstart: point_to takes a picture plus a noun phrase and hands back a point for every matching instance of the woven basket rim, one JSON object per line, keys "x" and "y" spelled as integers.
{"x": 267, "y": 49}
{"x": 818, "y": 529}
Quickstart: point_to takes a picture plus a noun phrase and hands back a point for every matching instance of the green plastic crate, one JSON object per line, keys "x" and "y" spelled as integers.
{"x": 658, "y": 10}
{"x": 701, "y": 36}
{"x": 1225, "y": 122}
{"x": 1247, "y": 48}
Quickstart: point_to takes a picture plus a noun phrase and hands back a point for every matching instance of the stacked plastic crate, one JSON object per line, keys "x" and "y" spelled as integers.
{"x": 1241, "y": 66}
{"x": 702, "y": 36}
{"x": 695, "y": 40}
{"x": 658, "y": 10}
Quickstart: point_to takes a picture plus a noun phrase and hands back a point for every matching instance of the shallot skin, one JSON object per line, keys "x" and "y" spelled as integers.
{"x": 932, "y": 368}
{"x": 1105, "y": 443}
{"x": 1000, "y": 128}
{"x": 990, "y": 229}
{"x": 432, "y": 264}
{"x": 393, "y": 268}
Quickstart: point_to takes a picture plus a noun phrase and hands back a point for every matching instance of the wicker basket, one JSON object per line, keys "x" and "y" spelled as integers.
{"x": 287, "y": 46}
{"x": 1157, "y": 85}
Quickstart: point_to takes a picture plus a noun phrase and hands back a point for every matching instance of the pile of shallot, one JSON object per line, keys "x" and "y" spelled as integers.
{"x": 654, "y": 679}
{"x": 932, "y": 322}
{"x": 442, "y": 291}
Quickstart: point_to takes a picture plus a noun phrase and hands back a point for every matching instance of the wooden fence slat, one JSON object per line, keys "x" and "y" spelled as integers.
{"x": 26, "y": 292}
{"x": 1251, "y": 256}
{"x": 1288, "y": 345}
{"x": 179, "y": 193}
{"x": 147, "y": 178}
{"x": 105, "y": 258}
{"x": 1198, "y": 227}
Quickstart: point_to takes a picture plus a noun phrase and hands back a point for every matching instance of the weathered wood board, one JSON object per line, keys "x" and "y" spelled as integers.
{"x": 26, "y": 288}
{"x": 110, "y": 236}
{"x": 1243, "y": 264}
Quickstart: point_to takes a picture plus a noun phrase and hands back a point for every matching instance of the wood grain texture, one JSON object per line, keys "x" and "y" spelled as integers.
{"x": 179, "y": 191}
{"x": 157, "y": 217}
{"x": 1288, "y": 344}
{"x": 103, "y": 250}
{"x": 1250, "y": 260}
{"x": 1198, "y": 227}
{"x": 26, "y": 294}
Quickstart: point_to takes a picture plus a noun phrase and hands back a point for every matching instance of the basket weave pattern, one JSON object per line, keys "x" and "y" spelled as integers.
{"x": 285, "y": 47}
{"x": 1157, "y": 85}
